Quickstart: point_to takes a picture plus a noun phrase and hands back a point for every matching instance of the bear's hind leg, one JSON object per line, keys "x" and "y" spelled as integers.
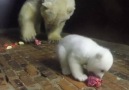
{"x": 63, "y": 62}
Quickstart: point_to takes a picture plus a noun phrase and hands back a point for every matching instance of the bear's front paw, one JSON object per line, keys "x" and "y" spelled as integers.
{"x": 82, "y": 77}
{"x": 54, "y": 38}
{"x": 28, "y": 36}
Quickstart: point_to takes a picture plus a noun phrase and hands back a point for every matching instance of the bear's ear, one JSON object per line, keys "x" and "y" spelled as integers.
{"x": 47, "y": 5}
{"x": 98, "y": 56}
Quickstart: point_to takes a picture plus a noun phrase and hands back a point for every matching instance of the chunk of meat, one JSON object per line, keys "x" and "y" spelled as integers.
{"x": 37, "y": 42}
{"x": 93, "y": 81}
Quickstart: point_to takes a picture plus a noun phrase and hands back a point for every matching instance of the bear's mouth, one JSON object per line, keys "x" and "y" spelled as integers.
{"x": 92, "y": 74}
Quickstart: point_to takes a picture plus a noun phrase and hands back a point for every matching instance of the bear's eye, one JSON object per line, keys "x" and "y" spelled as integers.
{"x": 102, "y": 71}
{"x": 63, "y": 21}
{"x": 69, "y": 11}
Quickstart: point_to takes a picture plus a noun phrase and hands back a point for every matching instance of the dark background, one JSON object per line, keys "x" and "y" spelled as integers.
{"x": 103, "y": 19}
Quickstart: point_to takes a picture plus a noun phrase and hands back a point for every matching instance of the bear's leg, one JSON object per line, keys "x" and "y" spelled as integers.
{"x": 76, "y": 69}
{"x": 27, "y": 22}
{"x": 55, "y": 34}
{"x": 28, "y": 31}
{"x": 63, "y": 62}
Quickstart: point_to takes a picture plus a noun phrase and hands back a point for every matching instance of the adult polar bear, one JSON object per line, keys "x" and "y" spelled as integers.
{"x": 55, "y": 13}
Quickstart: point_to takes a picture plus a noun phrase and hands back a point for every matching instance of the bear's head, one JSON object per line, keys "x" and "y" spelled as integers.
{"x": 100, "y": 63}
{"x": 56, "y": 12}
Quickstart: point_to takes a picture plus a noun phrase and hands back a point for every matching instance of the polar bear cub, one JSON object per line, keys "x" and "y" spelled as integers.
{"x": 54, "y": 13}
{"x": 78, "y": 52}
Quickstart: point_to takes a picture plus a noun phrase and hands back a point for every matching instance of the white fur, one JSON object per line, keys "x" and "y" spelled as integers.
{"x": 54, "y": 13}
{"x": 76, "y": 52}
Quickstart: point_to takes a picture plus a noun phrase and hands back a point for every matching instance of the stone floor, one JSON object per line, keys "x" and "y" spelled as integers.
{"x": 32, "y": 67}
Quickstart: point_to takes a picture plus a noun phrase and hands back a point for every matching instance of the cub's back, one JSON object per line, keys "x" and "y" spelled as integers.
{"x": 77, "y": 41}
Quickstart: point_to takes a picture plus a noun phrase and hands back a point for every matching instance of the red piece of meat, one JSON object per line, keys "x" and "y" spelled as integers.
{"x": 14, "y": 44}
{"x": 37, "y": 42}
{"x": 93, "y": 81}
{"x": 6, "y": 45}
